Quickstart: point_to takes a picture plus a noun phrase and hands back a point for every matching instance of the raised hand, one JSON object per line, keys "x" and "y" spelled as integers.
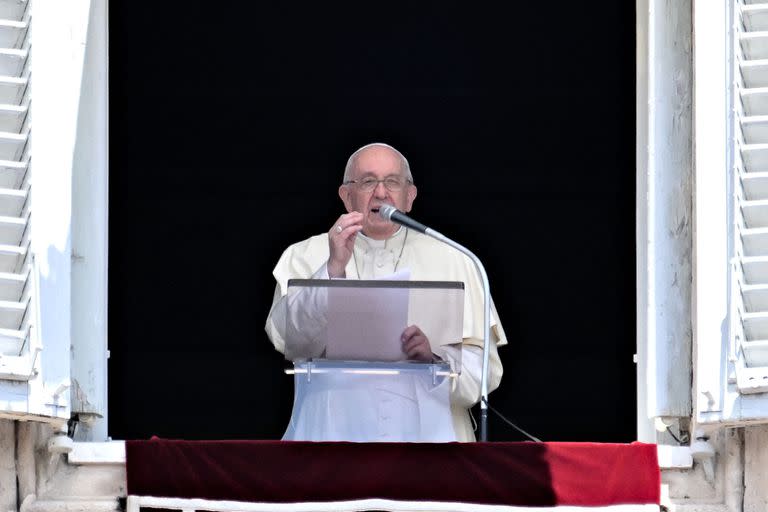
{"x": 341, "y": 242}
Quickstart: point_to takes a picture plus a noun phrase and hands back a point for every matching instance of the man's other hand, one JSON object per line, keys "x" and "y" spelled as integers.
{"x": 416, "y": 344}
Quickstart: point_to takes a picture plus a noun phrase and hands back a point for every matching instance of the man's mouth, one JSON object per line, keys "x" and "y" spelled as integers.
{"x": 376, "y": 212}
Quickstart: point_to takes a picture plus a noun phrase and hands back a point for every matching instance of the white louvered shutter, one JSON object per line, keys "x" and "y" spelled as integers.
{"x": 749, "y": 299}
{"x": 19, "y": 344}
{"x": 23, "y": 391}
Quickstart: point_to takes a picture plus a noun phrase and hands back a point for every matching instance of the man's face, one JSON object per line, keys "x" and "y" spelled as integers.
{"x": 377, "y": 163}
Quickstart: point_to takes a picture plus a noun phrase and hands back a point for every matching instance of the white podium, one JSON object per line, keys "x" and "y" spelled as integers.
{"x": 352, "y": 381}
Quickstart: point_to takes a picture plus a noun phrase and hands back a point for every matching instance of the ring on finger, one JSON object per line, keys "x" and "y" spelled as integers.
{"x": 339, "y": 229}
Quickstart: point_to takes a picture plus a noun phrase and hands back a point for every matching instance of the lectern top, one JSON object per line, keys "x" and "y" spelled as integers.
{"x": 364, "y": 320}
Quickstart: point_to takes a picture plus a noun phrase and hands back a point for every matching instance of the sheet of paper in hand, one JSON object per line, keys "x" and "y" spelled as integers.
{"x": 365, "y": 322}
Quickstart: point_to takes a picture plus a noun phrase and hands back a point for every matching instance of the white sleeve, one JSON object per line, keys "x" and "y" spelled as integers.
{"x": 300, "y": 316}
{"x": 466, "y": 392}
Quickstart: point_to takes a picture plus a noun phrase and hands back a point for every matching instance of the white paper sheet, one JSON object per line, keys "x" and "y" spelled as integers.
{"x": 365, "y": 324}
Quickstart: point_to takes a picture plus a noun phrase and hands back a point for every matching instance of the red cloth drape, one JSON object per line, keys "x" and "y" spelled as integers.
{"x": 517, "y": 474}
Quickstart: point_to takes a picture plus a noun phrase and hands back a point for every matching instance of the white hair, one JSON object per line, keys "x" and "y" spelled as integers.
{"x": 404, "y": 166}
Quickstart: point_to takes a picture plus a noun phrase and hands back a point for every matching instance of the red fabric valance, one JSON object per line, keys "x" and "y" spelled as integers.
{"x": 515, "y": 474}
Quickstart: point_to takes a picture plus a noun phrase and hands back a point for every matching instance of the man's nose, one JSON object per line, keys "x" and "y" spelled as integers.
{"x": 380, "y": 190}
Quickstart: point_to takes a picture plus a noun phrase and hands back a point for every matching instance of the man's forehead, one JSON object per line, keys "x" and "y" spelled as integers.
{"x": 377, "y": 159}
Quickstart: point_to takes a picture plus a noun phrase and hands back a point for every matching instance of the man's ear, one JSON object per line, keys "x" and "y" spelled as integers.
{"x": 344, "y": 194}
{"x": 410, "y": 197}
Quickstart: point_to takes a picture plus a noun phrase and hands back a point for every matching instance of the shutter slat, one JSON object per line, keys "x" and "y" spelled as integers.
{"x": 755, "y": 156}
{"x": 755, "y": 185}
{"x": 12, "y": 33}
{"x": 755, "y": 128}
{"x": 755, "y": 44}
{"x": 11, "y": 257}
{"x": 756, "y": 325}
{"x": 12, "y": 89}
{"x": 12, "y": 117}
{"x": 11, "y": 314}
{"x": 12, "y": 230}
{"x": 755, "y": 352}
{"x": 755, "y": 297}
{"x": 12, "y": 202}
{"x": 13, "y": 9}
{"x": 12, "y": 341}
{"x": 755, "y": 241}
{"x": 755, "y": 269}
{"x": 12, "y": 61}
{"x": 12, "y": 173}
{"x": 755, "y": 213}
{"x": 755, "y": 100}
{"x": 755, "y": 16}
{"x": 755, "y": 73}
{"x": 12, "y": 286}
{"x": 11, "y": 145}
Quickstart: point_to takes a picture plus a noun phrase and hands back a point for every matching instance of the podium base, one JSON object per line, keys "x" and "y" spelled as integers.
{"x": 371, "y": 402}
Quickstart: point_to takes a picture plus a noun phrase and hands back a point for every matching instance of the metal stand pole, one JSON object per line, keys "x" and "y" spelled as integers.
{"x": 486, "y": 327}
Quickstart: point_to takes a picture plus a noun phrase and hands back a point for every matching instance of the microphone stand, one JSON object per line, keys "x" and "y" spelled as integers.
{"x": 392, "y": 214}
{"x": 486, "y": 326}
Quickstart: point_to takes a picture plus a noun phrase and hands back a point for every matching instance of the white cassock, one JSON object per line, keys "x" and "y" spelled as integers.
{"x": 382, "y": 406}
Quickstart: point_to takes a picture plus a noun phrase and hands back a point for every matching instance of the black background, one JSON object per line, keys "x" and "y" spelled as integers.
{"x": 230, "y": 125}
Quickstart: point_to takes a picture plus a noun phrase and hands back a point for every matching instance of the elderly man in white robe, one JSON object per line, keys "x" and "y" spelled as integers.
{"x": 361, "y": 244}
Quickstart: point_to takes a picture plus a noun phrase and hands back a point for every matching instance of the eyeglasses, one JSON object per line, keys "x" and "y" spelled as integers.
{"x": 391, "y": 183}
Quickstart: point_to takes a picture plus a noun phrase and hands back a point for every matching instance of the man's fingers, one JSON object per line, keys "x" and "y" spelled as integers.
{"x": 418, "y": 348}
{"x": 410, "y": 332}
{"x": 351, "y": 230}
{"x": 345, "y": 221}
{"x": 345, "y": 236}
{"x": 414, "y": 342}
{"x": 346, "y": 225}
{"x": 344, "y": 230}
{"x": 341, "y": 241}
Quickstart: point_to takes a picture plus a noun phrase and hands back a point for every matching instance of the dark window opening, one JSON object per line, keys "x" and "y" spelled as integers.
{"x": 228, "y": 139}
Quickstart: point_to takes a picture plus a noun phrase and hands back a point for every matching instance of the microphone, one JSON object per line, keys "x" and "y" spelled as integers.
{"x": 392, "y": 214}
